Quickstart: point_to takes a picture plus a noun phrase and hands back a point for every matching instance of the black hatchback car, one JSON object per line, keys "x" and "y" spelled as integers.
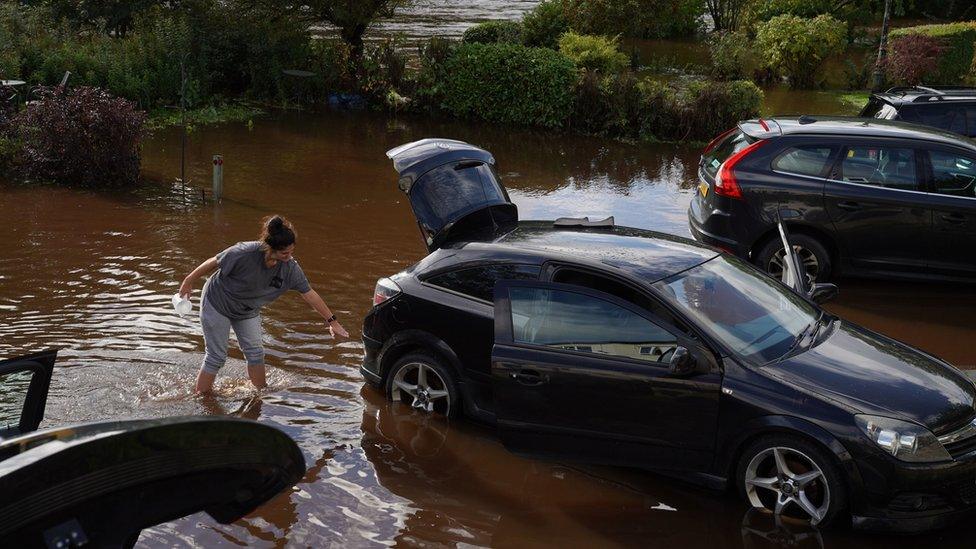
{"x": 861, "y": 197}
{"x": 584, "y": 340}
{"x": 950, "y": 108}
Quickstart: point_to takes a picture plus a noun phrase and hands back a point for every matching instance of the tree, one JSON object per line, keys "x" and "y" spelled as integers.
{"x": 725, "y": 13}
{"x": 351, "y": 17}
{"x": 109, "y": 16}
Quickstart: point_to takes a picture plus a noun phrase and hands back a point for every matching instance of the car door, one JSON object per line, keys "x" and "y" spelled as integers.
{"x": 581, "y": 374}
{"x": 24, "y": 383}
{"x": 878, "y": 206}
{"x": 952, "y": 191}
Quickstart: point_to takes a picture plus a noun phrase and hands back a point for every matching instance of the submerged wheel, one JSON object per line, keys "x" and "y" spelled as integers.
{"x": 811, "y": 253}
{"x": 423, "y": 383}
{"x": 790, "y": 476}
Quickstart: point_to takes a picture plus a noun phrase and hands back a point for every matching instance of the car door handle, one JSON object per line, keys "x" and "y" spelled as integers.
{"x": 530, "y": 377}
{"x": 954, "y": 218}
{"x": 850, "y": 206}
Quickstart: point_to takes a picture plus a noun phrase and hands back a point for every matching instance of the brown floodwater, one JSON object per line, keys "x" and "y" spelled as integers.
{"x": 92, "y": 272}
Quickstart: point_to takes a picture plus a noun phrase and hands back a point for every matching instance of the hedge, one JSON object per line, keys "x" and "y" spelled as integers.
{"x": 956, "y": 61}
{"x": 493, "y": 32}
{"x": 508, "y": 83}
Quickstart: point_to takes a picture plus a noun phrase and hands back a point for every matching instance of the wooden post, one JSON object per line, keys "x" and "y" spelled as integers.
{"x": 218, "y": 177}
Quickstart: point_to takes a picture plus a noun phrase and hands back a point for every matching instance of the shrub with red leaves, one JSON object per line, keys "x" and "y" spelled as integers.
{"x": 913, "y": 58}
{"x": 80, "y": 136}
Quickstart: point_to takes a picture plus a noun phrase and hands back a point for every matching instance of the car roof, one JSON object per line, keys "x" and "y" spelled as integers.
{"x": 850, "y": 126}
{"x": 647, "y": 256}
{"x": 903, "y": 95}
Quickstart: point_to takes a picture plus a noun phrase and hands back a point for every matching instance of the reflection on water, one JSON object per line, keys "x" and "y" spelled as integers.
{"x": 93, "y": 273}
{"x": 13, "y": 394}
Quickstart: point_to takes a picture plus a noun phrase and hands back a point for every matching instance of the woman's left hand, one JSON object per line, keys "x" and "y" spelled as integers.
{"x": 338, "y": 330}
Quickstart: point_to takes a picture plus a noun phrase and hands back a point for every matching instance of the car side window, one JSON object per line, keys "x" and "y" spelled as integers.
{"x": 803, "y": 160}
{"x": 953, "y": 174}
{"x": 573, "y": 321}
{"x": 888, "y": 167}
{"x": 479, "y": 282}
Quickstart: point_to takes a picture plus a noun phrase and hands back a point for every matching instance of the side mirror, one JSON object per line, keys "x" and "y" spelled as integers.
{"x": 822, "y": 292}
{"x": 682, "y": 363}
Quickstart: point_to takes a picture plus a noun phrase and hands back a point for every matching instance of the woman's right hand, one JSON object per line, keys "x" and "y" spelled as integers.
{"x": 186, "y": 288}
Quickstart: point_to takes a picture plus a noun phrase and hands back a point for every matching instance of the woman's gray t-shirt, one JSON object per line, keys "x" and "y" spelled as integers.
{"x": 243, "y": 284}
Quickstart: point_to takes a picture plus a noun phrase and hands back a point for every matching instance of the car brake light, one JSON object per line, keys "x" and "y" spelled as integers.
{"x": 714, "y": 142}
{"x": 725, "y": 182}
{"x": 385, "y": 290}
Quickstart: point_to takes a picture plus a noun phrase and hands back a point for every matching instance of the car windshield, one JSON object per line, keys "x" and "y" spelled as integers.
{"x": 756, "y": 316}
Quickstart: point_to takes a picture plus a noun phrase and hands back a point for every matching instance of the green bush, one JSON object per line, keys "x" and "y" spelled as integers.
{"x": 596, "y": 53}
{"x": 697, "y": 111}
{"x": 956, "y": 59}
{"x": 634, "y": 18}
{"x": 544, "y": 24}
{"x": 494, "y": 32}
{"x": 731, "y": 54}
{"x": 851, "y": 13}
{"x": 226, "y": 51}
{"x": 429, "y": 80}
{"x": 509, "y": 84}
{"x": 607, "y": 105}
{"x": 796, "y": 47}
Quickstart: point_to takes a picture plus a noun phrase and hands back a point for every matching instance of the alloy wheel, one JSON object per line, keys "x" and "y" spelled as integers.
{"x": 420, "y": 386}
{"x": 786, "y": 481}
{"x": 807, "y": 258}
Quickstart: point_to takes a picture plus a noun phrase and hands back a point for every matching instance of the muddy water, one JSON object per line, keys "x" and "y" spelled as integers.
{"x": 92, "y": 273}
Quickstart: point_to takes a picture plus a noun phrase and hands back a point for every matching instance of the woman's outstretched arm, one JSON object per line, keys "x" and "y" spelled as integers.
{"x": 315, "y": 300}
{"x": 207, "y": 267}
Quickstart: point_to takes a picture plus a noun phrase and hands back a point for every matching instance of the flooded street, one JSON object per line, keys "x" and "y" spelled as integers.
{"x": 92, "y": 273}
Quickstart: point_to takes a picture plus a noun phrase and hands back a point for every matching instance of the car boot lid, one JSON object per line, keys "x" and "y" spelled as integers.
{"x": 453, "y": 190}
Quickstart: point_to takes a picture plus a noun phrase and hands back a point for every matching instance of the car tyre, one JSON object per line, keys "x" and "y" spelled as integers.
{"x": 813, "y": 254}
{"x": 425, "y": 384}
{"x": 792, "y": 476}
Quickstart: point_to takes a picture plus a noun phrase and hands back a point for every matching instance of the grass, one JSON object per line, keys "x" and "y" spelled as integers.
{"x": 855, "y": 100}
{"x": 161, "y": 118}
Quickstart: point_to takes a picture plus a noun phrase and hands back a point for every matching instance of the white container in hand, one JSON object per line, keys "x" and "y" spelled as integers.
{"x": 182, "y": 305}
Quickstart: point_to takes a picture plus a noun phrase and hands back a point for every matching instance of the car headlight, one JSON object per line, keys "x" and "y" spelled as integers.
{"x": 906, "y": 441}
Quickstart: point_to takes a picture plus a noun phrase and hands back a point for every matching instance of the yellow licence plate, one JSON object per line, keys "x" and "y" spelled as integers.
{"x": 703, "y": 187}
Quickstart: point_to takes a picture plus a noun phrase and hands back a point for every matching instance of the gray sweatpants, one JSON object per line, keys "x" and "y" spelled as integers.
{"x": 216, "y": 332}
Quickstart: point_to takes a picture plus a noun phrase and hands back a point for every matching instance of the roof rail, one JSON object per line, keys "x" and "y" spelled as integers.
{"x": 930, "y": 90}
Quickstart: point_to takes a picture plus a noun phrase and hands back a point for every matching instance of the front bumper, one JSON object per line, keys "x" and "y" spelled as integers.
{"x": 371, "y": 367}
{"x": 914, "y": 498}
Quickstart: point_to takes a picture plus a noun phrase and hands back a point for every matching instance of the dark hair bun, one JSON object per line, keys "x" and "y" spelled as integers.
{"x": 277, "y": 232}
{"x": 275, "y": 224}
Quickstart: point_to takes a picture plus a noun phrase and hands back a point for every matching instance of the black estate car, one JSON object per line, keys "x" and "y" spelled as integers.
{"x": 584, "y": 340}
{"x": 951, "y": 108}
{"x": 861, "y": 197}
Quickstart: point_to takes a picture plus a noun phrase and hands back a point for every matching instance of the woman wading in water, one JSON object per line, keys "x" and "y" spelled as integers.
{"x": 249, "y": 275}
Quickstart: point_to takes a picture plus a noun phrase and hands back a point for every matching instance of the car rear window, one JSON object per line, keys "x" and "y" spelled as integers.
{"x": 479, "y": 282}
{"x": 735, "y": 142}
{"x": 803, "y": 160}
{"x": 943, "y": 116}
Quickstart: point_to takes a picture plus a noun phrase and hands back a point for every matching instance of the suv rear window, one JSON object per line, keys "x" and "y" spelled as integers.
{"x": 944, "y": 116}
{"x": 479, "y": 282}
{"x": 732, "y": 144}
